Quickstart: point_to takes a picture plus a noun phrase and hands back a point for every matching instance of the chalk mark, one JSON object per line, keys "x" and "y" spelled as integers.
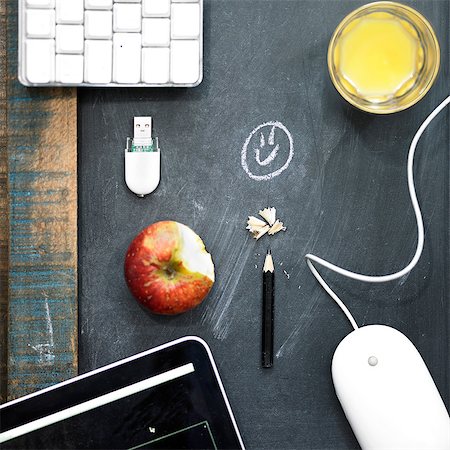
{"x": 269, "y": 159}
{"x": 46, "y": 355}
{"x": 273, "y": 154}
{"x": 300, "y": 329}
{"x": 220, "y": 313}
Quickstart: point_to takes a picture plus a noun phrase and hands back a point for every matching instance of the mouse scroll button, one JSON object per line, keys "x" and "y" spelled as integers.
{"x": 373, "y": 361}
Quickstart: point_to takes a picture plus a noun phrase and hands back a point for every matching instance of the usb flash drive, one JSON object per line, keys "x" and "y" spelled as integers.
{"x": 142, "y": 159}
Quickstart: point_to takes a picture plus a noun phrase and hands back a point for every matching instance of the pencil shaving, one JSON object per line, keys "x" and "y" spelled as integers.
{"x": 257, "y": 229}
{"x": 261, "y": 232}
{"x": 270, "y": 225}
{"x": 276, "y": 227}
{"x": 269, "y": 214}
{"x": 253, "y": 222}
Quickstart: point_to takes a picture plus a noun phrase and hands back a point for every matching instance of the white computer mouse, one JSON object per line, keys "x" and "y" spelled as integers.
{"x": 387, "y": 392}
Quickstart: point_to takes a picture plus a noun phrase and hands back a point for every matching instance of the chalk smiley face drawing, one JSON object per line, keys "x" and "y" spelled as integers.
{"x": 267, "y": 151}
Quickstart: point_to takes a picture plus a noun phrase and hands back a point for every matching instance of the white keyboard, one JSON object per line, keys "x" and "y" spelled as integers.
{"x": 110, "y": 42}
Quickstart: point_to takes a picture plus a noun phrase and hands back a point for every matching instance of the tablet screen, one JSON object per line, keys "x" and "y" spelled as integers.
{"x": 167, "y": 398}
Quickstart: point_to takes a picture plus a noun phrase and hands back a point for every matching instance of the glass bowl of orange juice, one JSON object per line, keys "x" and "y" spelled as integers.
{"x": 383, "y": 57}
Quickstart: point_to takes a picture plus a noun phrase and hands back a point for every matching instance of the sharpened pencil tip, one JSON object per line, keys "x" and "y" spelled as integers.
{"x": 269, "y": 252}
{"x": 268, "y": 262}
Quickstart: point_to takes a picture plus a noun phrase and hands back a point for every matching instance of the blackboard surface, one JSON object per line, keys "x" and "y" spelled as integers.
{"x": 343, "y": 197}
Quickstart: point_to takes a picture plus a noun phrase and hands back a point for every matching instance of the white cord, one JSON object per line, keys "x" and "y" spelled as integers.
{"x": 420, "y": 231}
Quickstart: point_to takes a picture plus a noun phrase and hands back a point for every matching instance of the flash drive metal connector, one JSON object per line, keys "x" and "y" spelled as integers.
{"x": 142, "y": 159}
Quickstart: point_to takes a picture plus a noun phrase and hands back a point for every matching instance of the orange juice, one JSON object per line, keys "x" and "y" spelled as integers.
{"x": 379, "y": 56}
{"x": 383, "y": 57}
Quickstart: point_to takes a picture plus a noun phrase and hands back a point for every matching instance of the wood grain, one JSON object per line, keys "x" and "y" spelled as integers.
{"x": 42, "y": 203}
{"x": 4, "y": 222}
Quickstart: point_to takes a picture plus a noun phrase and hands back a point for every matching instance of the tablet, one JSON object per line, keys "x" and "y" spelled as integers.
{"x": 170, "y": 397}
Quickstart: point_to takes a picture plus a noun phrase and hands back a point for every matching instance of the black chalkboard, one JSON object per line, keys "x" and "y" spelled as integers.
{"x": 343, "y": 197}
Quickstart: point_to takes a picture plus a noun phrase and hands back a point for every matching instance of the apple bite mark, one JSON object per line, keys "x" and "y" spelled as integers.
{"x": 193, "y": 254}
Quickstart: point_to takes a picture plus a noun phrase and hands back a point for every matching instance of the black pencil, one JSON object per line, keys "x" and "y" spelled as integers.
{"x": 268, "y": 311}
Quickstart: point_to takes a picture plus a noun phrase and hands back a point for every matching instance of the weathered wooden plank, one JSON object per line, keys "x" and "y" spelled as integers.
{"x": 42, "y": 200}
{"x": 4, "y": 232}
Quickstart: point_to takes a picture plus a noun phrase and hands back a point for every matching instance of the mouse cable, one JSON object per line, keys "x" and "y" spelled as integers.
{"x": 420, "y": 231}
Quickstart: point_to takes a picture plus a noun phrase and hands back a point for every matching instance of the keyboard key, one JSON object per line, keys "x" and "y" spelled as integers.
{"x": 97, "y": 61}
{"x": 40, "y": 23}
{"x": 69, "y": 69}
{"x": 156, "y": 8}
{"x": 40, "y": 60}
{"x": 98, "y": 4}
{"x": 127, "y": 58}
{"x": 69, "y": 39}
{"x": 98, "y": 25}
{"x": 127, "y": 17}
{"x": 185, "y": 21}
{"x": 69, "y": 11}
{"x": 185, "y": 62}
{"x": 40, "y": 3}
{"x": 155, "y": 65}
{"x": 156, "y": 32}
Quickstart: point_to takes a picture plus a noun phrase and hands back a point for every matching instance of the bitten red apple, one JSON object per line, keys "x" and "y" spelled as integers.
{"x": 168, "y": 269}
